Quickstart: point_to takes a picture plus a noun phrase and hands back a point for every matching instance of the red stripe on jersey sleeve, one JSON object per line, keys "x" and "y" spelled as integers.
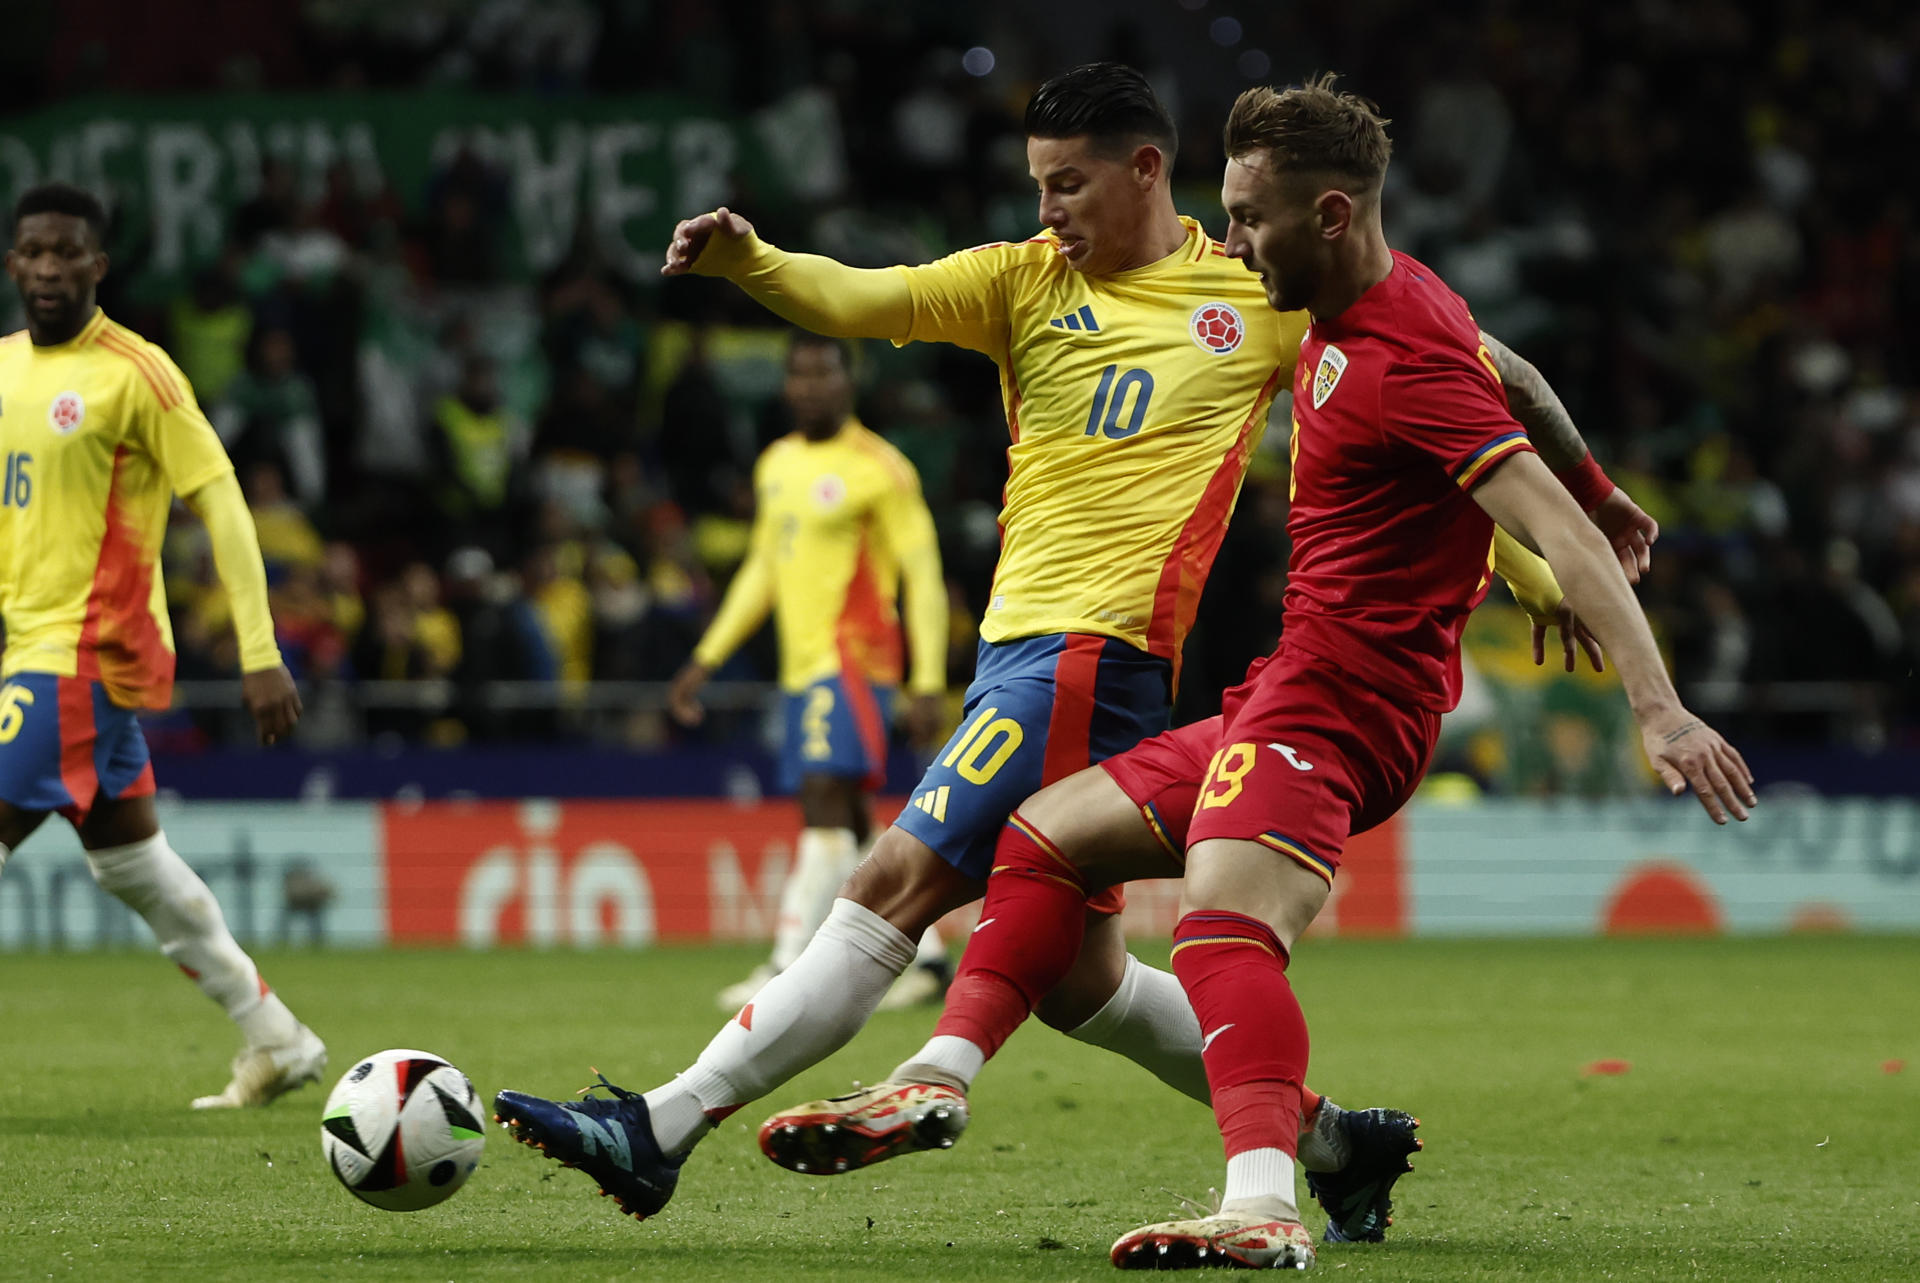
{"x": 1184, "y": 574}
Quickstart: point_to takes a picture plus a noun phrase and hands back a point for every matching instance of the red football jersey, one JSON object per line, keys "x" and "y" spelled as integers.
{"x": 1397, "y": 414}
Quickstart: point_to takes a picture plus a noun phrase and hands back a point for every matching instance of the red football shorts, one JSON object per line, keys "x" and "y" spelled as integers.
{"x": 1302, "y": 758}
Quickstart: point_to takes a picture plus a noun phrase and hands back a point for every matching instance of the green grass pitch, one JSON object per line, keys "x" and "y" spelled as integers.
{"x": 1759, "y": 1133}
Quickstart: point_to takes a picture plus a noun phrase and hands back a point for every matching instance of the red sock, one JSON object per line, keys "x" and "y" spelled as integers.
{"x": 1234, "y": 970}
{"x": 1309, "y": 1105}
{"x": 1030, "y": 931}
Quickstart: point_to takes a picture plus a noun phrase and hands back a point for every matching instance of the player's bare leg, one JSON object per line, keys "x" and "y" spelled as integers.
{"x": 1242, "y": 908}
{"x": 129, "y": 857}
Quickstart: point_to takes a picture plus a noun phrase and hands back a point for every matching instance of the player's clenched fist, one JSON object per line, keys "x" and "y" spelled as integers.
{"x": 1689, "y": 754}
{"x": 691, "y": 237}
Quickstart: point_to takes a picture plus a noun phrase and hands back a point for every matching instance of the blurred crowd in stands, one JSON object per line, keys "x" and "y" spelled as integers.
{"x": 1697, "y": 219}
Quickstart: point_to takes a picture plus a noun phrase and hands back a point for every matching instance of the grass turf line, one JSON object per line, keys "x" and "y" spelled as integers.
{"x": 1755, "y": 1135}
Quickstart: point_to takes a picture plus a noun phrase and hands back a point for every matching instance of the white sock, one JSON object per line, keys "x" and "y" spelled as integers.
{"x": 799, "y": 1018}
{"x": 159, "y": 886}
{"x": 1261, "y": 1181}
{"x": 821, "y": 866}
{"x": 1323, "y": 1146}
{"x": 932, "y": 951}
{"x": 956, "y": 1061}
{"x": 1150, "y": 1022}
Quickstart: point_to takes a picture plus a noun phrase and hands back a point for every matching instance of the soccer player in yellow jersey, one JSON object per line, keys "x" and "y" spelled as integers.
{"x": 99, "y": 431}
{"x": 840, "y": 529}
{"x": 1137, "y": 367}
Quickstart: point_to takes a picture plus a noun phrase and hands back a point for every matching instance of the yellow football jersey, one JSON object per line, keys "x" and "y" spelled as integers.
{"x": 98, "y": 435}
{"x": 838, "y": 524}
{"x": 1134, "y": 402}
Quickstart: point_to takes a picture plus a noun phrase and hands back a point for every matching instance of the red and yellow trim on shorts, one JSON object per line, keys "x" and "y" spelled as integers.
{"x": 1298, "y": 854}
{"x": 1158, "y": 827}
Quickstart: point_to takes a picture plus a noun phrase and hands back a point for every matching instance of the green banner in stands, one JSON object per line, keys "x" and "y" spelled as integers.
{"x": 618, "y": 170}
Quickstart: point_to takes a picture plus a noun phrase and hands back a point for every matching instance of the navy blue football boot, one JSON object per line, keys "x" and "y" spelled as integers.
{"x": 610, "y": 1140}
{"x": 1357, "y": 1198}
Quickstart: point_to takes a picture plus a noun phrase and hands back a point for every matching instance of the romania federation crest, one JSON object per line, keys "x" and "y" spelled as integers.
{"x": 1333, "y": 363}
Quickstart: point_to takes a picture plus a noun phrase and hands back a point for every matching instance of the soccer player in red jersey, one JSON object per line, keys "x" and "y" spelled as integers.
{"x": 1405, "y": 455}
{"x": 1404, "y": 448}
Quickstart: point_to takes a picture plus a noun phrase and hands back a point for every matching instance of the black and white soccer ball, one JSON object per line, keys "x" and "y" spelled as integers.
{"x": 402, "y": 1130}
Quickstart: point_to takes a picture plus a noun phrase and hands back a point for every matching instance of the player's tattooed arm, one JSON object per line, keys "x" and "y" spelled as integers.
{"x": 1537, "y": 406}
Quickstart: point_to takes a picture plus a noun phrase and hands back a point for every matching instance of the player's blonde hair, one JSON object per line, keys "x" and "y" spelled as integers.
{"x": 1311, "y": 128}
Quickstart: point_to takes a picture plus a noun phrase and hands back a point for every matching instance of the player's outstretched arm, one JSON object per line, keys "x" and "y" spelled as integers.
{"x": 813, "y": 292}
{"x": 265, "y": 684}
{"x": 1539, "y": 409}
{"x": 1526, "y": 500}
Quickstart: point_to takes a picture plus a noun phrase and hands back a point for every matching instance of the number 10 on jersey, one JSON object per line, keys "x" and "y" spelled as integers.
{"x": 1124, "y": 396}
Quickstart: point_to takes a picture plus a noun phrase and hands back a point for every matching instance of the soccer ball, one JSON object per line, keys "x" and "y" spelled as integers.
{"x": 402, "y": 1130}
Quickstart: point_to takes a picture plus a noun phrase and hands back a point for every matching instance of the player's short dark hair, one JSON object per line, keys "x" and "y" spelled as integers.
{"x": 1107, "y": 102}
{"x": 63, "y": 198}
{"x": 1312, "y": 129}
{"x": 807, "y": 338}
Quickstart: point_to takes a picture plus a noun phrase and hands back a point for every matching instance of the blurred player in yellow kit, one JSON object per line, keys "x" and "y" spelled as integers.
{"x": 840, "y": 528}
{"x": 99, "y": 431}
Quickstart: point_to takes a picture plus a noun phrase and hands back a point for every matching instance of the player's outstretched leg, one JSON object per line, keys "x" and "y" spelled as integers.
{"x": 281, "y": 1053}
{"x": 1357, "y": 1195}
{"x": 610, "y": 1140}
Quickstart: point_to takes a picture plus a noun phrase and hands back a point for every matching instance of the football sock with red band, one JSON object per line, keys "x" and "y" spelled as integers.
{"x": 1254, "y": 1035}
{"x": 1031, "y": 928}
